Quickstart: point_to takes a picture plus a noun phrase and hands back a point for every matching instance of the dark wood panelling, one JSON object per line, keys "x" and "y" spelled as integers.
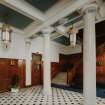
{"x": 63, "y": 62}
{"x": 36, "y": 74}
{"x": 100, "y": 70}
{"x": 54, "y": 69}
{"x": 100, "y": 67}
{"x": 74, "y": 66}
{"x": 4, "y": 75}
{"x": 68, "y": 61}
{"x": 36, "y": 69}
{"x": 42, "y": 73}
{"x": 8, "y": 68}
{"x": 13, "y": 67}
{"x": 22, "y": 73}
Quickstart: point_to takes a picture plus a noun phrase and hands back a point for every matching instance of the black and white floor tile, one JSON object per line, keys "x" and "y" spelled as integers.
{"x": 34, "y": 96}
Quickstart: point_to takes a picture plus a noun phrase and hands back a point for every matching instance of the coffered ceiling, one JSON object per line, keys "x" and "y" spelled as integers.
{"x": 42, "y": 5}
{"x": 31, "y": 16}
{"x": 14, "y": 18}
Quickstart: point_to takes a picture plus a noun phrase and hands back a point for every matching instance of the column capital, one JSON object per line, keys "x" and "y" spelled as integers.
{"x": 90, "y": 8}
{"x": 47, "y": 30}
{"x": 28, "y": 41}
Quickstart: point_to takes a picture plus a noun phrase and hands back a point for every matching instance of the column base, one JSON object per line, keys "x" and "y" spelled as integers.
{"x": 47, "y": 92}
{"x": 90, "y": 102}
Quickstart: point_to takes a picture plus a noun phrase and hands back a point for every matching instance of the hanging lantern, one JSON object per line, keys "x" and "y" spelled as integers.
{"x": 72, "y": 35}
{"x": 6, "y": 34}
{"x": 73, "y": 40}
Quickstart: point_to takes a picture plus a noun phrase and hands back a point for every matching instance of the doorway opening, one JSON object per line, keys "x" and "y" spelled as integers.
{"x": 36, "y": 70}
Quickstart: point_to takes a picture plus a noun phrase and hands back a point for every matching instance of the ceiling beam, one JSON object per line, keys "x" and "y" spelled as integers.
{"x": 69, "y": 9}
{"x": 62, "y": 4}
{"x": 32, "y": 26}
{"x": 25, "y": 9}
{"x": 79, "y": 25}
{"x": 49, "y": 13}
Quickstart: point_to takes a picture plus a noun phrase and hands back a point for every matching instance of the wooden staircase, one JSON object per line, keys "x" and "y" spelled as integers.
{"x": 75, "y": 75}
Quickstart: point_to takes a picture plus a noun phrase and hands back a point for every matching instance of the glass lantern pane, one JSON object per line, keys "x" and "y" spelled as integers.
{"x": 73, "y": 39}
{"x": 7, "y": 35}
{"x": 3, "y": 36}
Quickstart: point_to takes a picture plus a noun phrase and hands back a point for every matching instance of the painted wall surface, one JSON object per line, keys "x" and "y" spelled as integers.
{"x": 73, "y": 50}
{"x": 37, "y": 45}
{"x": 16, "y": 49}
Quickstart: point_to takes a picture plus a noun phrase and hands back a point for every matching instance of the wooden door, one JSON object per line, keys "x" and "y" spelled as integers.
{"x": 36, "y": 69}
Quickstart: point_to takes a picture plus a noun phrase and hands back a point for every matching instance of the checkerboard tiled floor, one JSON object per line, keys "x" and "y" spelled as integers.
{"x": 34, "y": 96}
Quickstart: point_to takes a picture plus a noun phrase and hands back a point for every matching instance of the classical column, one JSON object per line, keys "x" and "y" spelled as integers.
{"x": 28, "y": 62}
{"x": 47, "y": 63}
{"x": 89, "y": 55}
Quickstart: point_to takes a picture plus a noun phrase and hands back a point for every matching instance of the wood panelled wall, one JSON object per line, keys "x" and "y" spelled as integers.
{"x": 22, "y": 73}
{"x": 8, "y": 68}
{"x": 74, "y": 67}
{"x": 75, "y": 74}
{"x": 54, "y": 69}
{"x": 4, "y": 75}
{"x": 66, "y": 62}
{"x": 101, "y": 65}
{"x": 63, "y": 62}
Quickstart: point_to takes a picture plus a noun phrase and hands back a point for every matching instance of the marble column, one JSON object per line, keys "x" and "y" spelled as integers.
{"x": 89, "y": 55}
{"x": 47, "y": 63}
{"x": 28, "y": 62}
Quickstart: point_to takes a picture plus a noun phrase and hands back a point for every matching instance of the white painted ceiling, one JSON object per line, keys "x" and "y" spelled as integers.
{"x": 58, "y": 13}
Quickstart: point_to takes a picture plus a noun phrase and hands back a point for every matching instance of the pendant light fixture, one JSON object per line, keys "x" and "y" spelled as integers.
{"x": 72, "y": 35}
{"x": 6, "y": 33}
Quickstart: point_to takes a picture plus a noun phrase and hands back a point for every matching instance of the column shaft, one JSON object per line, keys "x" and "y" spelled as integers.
{"x": 28, "y": 63}
{"x": 89, "y": 59}
{"x": 47, "y": 65}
